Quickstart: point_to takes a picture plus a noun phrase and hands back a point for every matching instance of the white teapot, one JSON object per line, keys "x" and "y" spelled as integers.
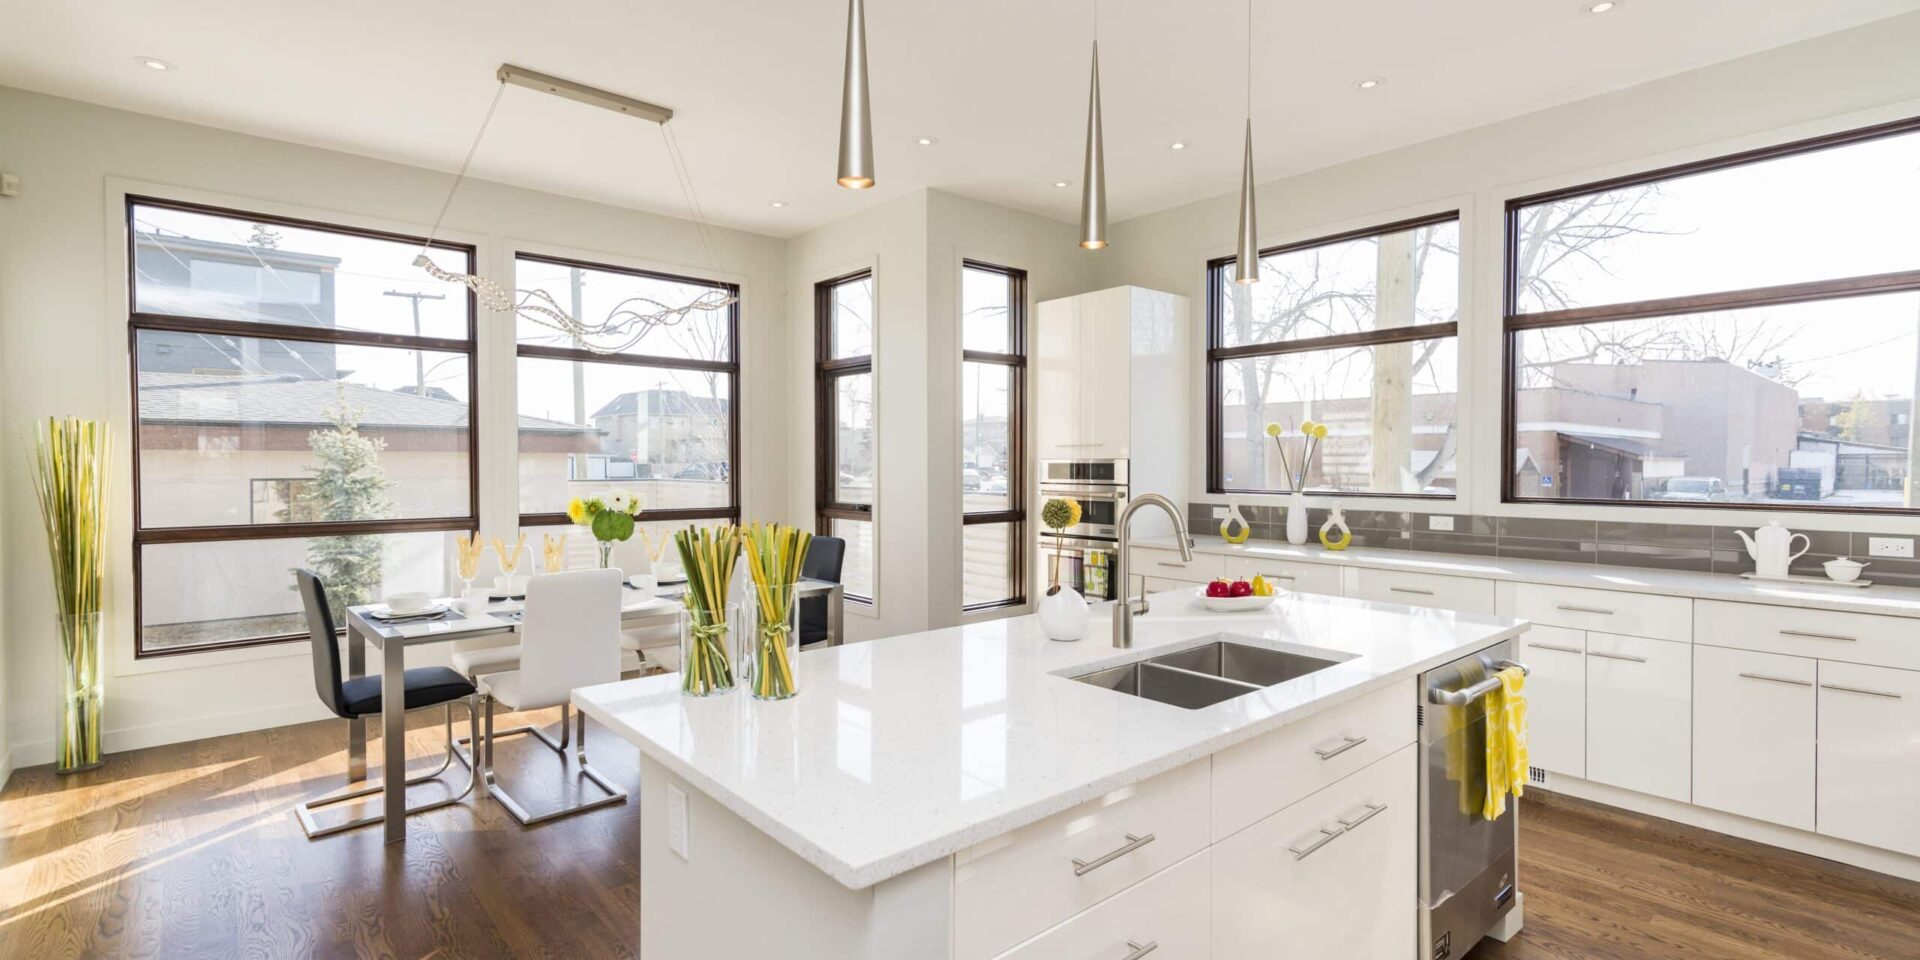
{"x": 1771, "y": 548}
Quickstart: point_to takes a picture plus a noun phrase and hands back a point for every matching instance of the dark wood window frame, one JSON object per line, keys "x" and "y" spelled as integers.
{"x": 1515, "y": 322}
{"x": 827, "y": 372}
{"x": 1218, "y": 355}
{"x": 1016, "y": 363}
{"x": 729, "y": 366}
{"x": 138, "y": 322}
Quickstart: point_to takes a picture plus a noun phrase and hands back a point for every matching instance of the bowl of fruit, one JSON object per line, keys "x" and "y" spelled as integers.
{"x": 1237, "y": 596}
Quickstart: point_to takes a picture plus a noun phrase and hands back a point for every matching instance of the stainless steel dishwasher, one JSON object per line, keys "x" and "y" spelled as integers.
{"x": 1468, "y": 866}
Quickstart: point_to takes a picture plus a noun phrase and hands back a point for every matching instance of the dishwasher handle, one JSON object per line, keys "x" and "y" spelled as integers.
{"x": 1466, "y": 695}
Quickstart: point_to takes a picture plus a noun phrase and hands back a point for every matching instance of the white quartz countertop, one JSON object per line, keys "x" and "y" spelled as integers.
{"x": 1881, "y": 599}
{"x": 901, "y": 751}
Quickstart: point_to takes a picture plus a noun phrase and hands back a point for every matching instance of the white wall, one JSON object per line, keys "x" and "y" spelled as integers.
{"x": 1832, "y": 83}
{"x": 63, "y": 352}
{"x": 6, "y": 634}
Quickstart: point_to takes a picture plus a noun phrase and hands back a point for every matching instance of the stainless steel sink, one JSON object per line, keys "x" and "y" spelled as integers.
{"x": 1205, "y": 675}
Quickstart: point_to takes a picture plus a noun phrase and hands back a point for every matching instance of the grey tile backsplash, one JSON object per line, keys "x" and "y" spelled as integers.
{"x": 1666, "y": 546}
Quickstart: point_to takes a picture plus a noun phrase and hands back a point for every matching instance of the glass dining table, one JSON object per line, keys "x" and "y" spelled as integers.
{"x": 639, "y": 607}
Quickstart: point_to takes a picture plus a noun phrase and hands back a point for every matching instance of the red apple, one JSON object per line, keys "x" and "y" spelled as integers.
{"x": 1241, "y": 588}
{"x": 1219, "y": 588}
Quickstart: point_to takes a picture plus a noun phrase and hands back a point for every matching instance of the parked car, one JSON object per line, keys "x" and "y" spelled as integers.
{"x": 969, "y": 479}
{"x": 1696, "y": 489}
{"x": 994, "y": 484}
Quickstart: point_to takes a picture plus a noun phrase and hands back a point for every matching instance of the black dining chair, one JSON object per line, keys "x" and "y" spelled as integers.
{"x": 361, "y": 697}
{"x": 825, "y": 558}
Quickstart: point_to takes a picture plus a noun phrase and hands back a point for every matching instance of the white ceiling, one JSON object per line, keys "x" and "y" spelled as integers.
{"x": 1000, "y": 83}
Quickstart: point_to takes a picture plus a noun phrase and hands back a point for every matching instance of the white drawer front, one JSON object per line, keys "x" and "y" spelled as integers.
{"x": 1332, "y": 876}
{"x": 1296, "y": 575}
{"x": 1265, "y": 774}
{"x": 1165, "y": 562}
{"x": 1821, "y": 634}
{"x": 1556, "y": 698}
{"x": 1014, "y": 886}
{"x": 1465, "y": 594}
{"x": 1870, "y": 756}
{"x": 1753, "y": 734}
{"x": 1629, "y": 614}
{"x": 1165, "y": 916}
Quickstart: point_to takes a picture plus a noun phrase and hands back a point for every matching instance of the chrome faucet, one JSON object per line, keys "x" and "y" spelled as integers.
{"x": 1123, "y": 608}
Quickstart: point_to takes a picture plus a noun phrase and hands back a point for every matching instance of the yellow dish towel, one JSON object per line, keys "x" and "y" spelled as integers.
{"x": 1506, "y": 742}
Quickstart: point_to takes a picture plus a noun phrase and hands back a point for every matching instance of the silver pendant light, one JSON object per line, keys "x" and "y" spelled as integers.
{"x": 1093, "y": 193}
{"x": 1246, "y": 256}
{"x": 856, "y": 107}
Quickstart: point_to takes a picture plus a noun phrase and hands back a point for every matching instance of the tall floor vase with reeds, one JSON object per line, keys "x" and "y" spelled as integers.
{"x": 70, "y": 477}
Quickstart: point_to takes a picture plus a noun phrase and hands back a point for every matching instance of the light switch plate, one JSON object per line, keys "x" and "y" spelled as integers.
{"x": 1438, "y": 522}
{"x": 1890, "y": 547}
{"x": 677, "y": 821}
{"x": 1219, "y": 512}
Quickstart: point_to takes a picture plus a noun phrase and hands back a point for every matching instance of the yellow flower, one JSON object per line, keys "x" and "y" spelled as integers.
{"x": 1320, "y": 431}
{"x": 577, "y": 510}
{"x": 1307, "y": 427}
{"x": 1273, "y": 429}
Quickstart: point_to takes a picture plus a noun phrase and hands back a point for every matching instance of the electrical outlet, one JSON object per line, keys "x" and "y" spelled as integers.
{"x": 1890, "y": 547}
{"x": 677, "y": 821}
{"x": 1438, "y": 522}
{"x": 1219, "y": 512}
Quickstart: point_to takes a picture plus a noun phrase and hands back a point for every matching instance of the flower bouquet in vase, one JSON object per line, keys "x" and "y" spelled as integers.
{"x": 610, "y": 518}
{"x": 1314, "y": 436}
{"x": 770, "y": 646}
{"x": 709, "y": 556}
{"x": 1063, "y": 612}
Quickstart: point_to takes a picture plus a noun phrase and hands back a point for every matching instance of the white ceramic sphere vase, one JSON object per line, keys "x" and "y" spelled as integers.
{"x": 1063, "y": 615}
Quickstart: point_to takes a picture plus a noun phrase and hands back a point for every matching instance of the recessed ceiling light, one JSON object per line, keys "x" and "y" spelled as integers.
{"x": 1063, "y": 183}
{"x": 1177, "y": 145}
{"x": 776, "y": 204}
{"x": 1602, "y": 6}
{"x": 1369, "y": 83}
{"x": 925, "y": 141}
{"x": 153, "y": 63}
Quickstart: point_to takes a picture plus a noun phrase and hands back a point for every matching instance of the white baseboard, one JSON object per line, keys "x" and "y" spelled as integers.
{"x": 178, "y": 731}
{"x": 1772, "y": 834}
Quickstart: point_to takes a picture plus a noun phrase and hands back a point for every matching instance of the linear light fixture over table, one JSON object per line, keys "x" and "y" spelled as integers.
{"x": 1246, "y": 259}
{"x": 631, "y": 319}
{"x": 1093, "y": 192}
{"x": 856, "y": 107}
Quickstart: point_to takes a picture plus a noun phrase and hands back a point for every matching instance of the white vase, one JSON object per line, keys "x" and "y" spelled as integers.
{"x": 1063, "y": 614}
{"x": 1297, "y": 518}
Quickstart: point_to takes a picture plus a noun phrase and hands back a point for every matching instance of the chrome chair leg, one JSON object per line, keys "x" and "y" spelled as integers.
{"x": 612, "y": 794}
{"x": 305, "y": 810}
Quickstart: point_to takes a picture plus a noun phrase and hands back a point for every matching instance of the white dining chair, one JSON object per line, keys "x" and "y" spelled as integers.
{"x": 569, "y": 637}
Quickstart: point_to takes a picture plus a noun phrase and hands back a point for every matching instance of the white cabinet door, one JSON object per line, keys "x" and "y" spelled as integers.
{"x": 1333, "y": 875}
{"x": 1639, "y": 712}
{"x": 1870, "y": 755}
{"x": 1556, "y": 698}
{"x": 1105, "y": 373}
{"x": 1753, "y": 730}
{"x": 1059, "y": 424}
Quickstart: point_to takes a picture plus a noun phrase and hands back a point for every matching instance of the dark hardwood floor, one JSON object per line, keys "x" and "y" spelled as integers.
{"x": 190, "y": 851}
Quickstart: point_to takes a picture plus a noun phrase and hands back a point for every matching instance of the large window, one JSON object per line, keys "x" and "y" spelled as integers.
{"x": 302, "y": 398}
{"x": 844, "y": 424}
{"x": 1740, "y": 332}
{"x": 658, "y": 418}
{"x": 1356, "y": 332}
{"x": 992, "y": 450}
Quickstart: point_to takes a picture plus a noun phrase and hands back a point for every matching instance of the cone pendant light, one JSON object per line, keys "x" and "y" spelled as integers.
{"x": 1093, "y": 193}
{"x": 856, "y": 108}
{"x": 1246, "y": 255}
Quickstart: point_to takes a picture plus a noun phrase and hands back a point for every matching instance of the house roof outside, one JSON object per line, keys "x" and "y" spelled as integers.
{"x": 664, "y": 403}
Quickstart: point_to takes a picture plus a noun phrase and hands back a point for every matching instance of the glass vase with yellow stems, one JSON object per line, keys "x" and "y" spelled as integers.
{"x": 467, "y": 549}
{"x": 70, "y": 479}
{"x": 509, "y": 559}
{"x": 770, "y": 645}
{"x": 709, "y": 556}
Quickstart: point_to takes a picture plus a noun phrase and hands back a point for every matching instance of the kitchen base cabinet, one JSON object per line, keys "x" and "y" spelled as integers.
{"x": 1166, "y": 916}
{"x": 1331, "y": 876}
{"x": 1869, "y": 784}
{"x": 1753, "y": 734}
{"x": 1639, "y": 712}
{"x": 1556, "y": 698}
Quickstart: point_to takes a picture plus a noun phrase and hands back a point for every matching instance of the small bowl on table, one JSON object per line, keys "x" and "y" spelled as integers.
{"x": 406, "y": 602}
{"x": 1843, "y": 570}
{"x": 1244, "y": 604}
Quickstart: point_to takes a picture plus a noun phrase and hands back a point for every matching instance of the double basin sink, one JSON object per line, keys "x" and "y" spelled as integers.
{"x": 1202, "y": 676}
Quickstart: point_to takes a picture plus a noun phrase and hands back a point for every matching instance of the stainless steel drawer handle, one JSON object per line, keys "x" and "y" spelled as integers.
{"x": 1818, "y": 636}
{"x": 1329, "y": 754}
{"x": 1140, "y": 949}
{"x": 1884, "y": 695}
{"x": 1616, "y": 656}
{"x": 1413, "y": 590}
{"x": 1373, "y": 810}
{"x": 1556, "y": 648}
{"x": 1762, "y": 676}
{"x": 1570, "y": 608}
{"x": 1083, "y": 867}
{"x": 1326, "y": 836}
{"x": 1170, "y": 563}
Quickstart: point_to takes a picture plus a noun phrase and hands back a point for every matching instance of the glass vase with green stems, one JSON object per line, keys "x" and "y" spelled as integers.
{"x": 708, "y": 556}
{"x": 776, "y": 553}
{"x": 70, "y": 480}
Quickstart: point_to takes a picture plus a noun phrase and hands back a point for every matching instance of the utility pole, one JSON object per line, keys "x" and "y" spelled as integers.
{"x": 419, "y": 360}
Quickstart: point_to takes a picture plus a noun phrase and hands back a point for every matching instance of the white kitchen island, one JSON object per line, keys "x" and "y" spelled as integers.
{"x": 953, "y": 795}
